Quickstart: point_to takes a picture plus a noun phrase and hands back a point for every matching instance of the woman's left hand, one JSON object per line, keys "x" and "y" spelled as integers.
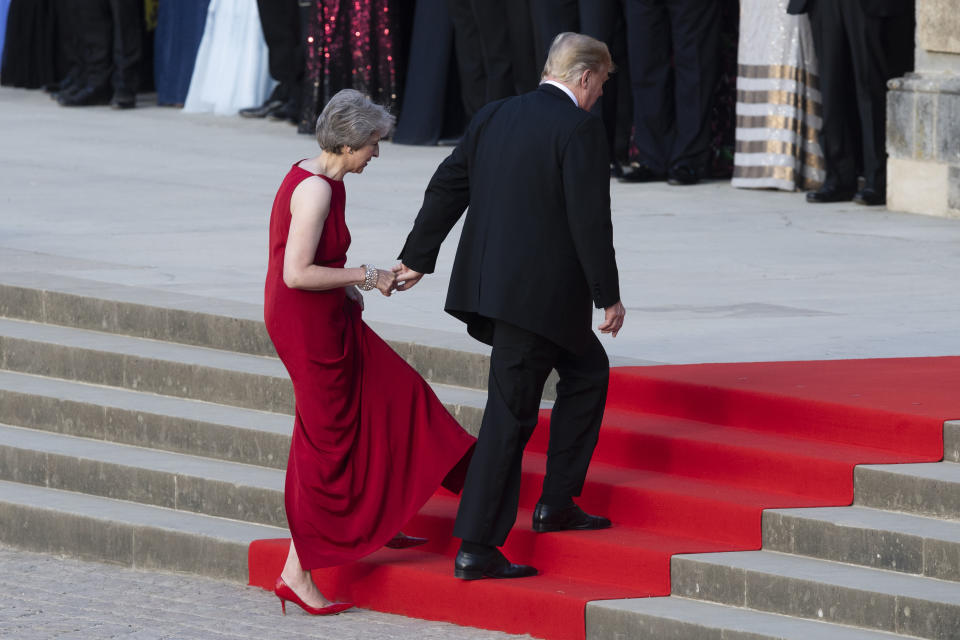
{"x": 354, "y": 294}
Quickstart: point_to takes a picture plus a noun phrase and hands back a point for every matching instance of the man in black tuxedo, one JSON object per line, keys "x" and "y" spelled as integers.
{"x": 671, "y": 102}
{"x": 536, "y": 248}
{"x": 860, "y": 45}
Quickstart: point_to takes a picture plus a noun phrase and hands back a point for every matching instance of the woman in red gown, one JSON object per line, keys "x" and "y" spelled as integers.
{"x": 371, "y": 441}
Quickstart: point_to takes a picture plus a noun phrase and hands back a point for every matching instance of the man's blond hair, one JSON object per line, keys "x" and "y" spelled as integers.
{"x": 573, "y": 53}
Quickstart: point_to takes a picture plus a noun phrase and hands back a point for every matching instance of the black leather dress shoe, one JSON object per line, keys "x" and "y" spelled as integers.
{"x": 682, "y": 175}
{"x": 123, "y": 99}
{"x": 85, "y": 97}
{"x": 565, "y": 518}
{"x": 288, "y": 112}
{"x": 263, "y": 110}
{"x": 474, "y": 566}
{"x": 829, "y": 194}
{"x": 642, "y": 173}
{"x": 870, "y": 197}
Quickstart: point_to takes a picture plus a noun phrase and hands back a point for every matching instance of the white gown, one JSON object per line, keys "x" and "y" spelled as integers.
{"x": 231, "y": 71}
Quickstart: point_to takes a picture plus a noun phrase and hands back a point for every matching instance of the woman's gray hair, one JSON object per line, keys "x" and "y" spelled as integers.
{"x": 349, "y": 119}
{"x": 573, "y": 53}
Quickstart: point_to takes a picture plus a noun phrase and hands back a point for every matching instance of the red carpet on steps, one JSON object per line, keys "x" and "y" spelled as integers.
{"x": 689, "y": 456}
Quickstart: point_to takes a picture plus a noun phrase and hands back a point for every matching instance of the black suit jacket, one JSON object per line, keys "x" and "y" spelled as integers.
{"x": 870, "y": 7}
{"x": 537, "y": 242}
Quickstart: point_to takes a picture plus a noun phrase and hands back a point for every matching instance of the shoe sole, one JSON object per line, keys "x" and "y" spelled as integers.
{"x": 542, "y": 528}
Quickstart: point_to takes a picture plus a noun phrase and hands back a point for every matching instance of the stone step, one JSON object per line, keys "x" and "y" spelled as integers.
{"x": 684, "y": 619}
{"x": 926, "y": 489}
{"x": 135, "y": 535}
{"x": 817, "y": 589}
{"x": 183, "y": 371}
{"x": 951, "y": 441}
{"x": 136, "y": 474}
{"x": 174, "y": 424}
{"x": 443, "y": 357}
{"x": 869, "y": 537}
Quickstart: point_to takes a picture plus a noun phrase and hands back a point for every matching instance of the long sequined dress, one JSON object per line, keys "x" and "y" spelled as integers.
{"x": 371, "y": 441}
{"x": 353, "y": 44}
{"x": 778, "y": 100}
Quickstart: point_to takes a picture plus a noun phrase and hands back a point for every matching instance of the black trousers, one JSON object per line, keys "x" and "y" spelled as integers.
{"x": 857, "y": 53}
{"x": 282, "y": 30}
{"x": 605, "y": 21}
{"x": 495, "y": 56}
{"x": 110, "y": 34}
{"x": 519, "y": 365}
{"x": 671, "y": 104}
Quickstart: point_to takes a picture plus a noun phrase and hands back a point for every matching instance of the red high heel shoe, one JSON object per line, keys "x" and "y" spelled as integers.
{"x": 285, "y": 593}
{"x": 403, "y": 541}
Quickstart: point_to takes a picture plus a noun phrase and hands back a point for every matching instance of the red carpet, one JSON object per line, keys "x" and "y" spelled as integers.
{"x": 688, "y": 458}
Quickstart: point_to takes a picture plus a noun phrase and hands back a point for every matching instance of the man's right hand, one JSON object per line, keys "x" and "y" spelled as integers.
{"x": 614, "y": 318}
{"x": 406, "y": 277}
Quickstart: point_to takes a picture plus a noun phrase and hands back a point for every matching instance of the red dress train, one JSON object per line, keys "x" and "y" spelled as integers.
{"x": 371, "y": 441}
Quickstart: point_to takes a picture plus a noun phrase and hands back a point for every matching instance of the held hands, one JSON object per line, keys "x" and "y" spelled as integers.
{"x": 406, "y": 277}
{"x": 614, "y": 319}
{"x": 386, "y": 281}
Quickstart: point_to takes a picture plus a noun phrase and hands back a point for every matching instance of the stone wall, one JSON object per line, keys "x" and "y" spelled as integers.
{"x": 923, "y": 118}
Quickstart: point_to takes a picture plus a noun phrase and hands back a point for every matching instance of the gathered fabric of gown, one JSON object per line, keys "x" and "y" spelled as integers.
{"x": 231, "y": 70}
{"x": 371, "y": 441}
{"x": 778, "y": 100}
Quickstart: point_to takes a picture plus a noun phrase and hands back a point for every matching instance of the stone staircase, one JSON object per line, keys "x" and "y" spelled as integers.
{"x": 142, "y": 429}
{"x": 156, "y": 436}
{"x": 886, "y": 567}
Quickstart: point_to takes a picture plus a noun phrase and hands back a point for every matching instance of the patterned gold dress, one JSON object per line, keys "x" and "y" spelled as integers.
{"x": 778, "y": 100}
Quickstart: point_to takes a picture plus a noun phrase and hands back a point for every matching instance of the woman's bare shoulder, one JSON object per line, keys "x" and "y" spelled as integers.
{"x": 312, "y": 195}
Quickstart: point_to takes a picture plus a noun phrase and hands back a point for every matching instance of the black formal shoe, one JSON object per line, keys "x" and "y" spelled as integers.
{"x": 870, "y": 197}
{"x": 829, "y": 194}
{"x": 263, "y": 110}
{"x": 288, "y": 112}
{"x": 682, "y": 175}
{"x": 123, "y": 99}
{"x": 85, "y": 97}
{"x": 473, "y": 566}
{"x": 565, "y": 518}
{"x": 641, "y": 173}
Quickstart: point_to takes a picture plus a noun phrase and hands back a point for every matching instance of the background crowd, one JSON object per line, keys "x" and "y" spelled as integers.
{"x": 784, "y": 94}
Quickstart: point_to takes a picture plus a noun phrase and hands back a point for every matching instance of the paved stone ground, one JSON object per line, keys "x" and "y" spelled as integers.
{"x": 159, "y": 199}
{"x": 44, "y": 597}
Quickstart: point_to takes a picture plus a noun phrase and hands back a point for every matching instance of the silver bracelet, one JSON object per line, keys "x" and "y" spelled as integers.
{"x": 369, "y": 277}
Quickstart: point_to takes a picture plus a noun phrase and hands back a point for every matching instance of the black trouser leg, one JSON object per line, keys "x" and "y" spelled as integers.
{"x": 551, "y": 17}
{"x": 519, "y": 365}
{"x": 70, "y": 36}
{"x": 695, "y": 25}
{"x": 466, "y": 42}
{"x": 649, "y": 49}
{"x": 128, "y": 27}
{"x": 605, "y": 21}
{"x": 836, "y": 131}
{"x": 495, "y": 44}
{"x": 576, "y": 417}
{"x": 526, "y": 75}
{"x": 95, "y": 29}
{"x": 280, "y": 20}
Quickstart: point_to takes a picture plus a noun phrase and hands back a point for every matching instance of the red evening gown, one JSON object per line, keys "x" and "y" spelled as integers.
{"x": 371, "y": 441}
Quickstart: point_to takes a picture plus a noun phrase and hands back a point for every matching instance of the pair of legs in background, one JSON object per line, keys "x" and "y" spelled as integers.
{"x": 519, "y": 365}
